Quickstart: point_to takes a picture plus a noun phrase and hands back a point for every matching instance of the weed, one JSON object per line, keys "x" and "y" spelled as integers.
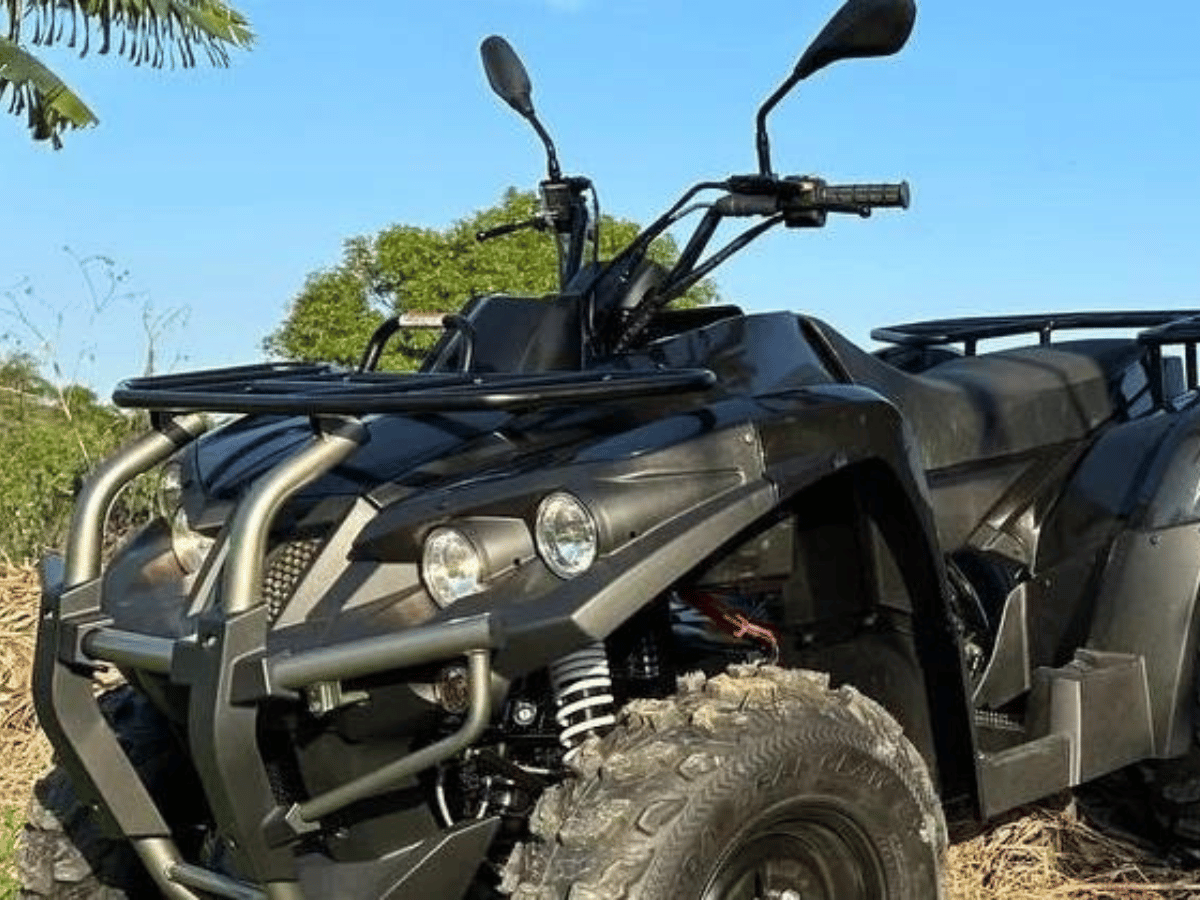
{"x": 11, "y": 822}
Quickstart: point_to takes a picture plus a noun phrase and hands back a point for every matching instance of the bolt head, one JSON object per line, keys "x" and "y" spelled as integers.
{"x": 524, "y": 712}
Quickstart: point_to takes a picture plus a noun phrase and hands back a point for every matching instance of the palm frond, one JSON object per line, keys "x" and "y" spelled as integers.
{"x": 49, "y": 105}
{"x": 154, "y": 32}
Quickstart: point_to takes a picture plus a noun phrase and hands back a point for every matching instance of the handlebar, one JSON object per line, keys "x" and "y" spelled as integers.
{"x": 795, "y": 201}
{"x": 750, "y": 196}
{"x": 747, "y": 205}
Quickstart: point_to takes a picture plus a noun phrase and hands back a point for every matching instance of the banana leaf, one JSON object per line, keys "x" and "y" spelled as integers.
{"x": 49, "y": 105}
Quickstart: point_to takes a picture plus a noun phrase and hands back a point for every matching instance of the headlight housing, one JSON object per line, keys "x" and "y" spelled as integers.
{"x": 189, "y": 546}
{"x": 451, "y": 565}
{"x": 566, "y": 535}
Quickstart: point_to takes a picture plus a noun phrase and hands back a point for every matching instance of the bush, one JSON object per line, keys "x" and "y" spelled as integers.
{"x": 50, "y": 439}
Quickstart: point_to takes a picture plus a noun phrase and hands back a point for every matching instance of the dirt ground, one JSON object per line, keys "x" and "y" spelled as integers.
{"x": 1046, "y": 853}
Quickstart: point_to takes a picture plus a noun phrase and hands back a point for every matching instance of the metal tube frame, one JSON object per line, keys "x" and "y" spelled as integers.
{"x": 336, "y": 440}
{"x": 86, "y": 536}
{"x": 478, "y": 716}
{"x": 55, "y": 682}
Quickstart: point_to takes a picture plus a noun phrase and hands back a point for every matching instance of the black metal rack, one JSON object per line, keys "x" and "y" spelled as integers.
{"x": 1159, "y": 328}
{"x": 1166, "y": 326}
{"x": 308, "y": 389}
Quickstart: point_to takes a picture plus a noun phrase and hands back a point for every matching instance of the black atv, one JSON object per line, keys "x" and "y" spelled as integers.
{"x": 618, "y": 600}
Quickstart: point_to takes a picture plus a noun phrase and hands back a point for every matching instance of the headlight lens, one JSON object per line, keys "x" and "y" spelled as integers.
{"x": 190, "y": 546}
{"x": 451, "y": 566}
{"x": 170, "y": 488}
{"x": 566, "y": 535}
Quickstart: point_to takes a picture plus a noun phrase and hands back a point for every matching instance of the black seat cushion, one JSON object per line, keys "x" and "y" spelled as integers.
{"x": 997, "y": 404}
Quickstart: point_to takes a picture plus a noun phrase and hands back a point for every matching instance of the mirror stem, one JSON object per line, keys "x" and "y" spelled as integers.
{"x": 763, "y": 141}
{"x": 552, "y": 168}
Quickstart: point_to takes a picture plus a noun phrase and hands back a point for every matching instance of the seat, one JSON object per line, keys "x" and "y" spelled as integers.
{"x": 1001, "y": 403}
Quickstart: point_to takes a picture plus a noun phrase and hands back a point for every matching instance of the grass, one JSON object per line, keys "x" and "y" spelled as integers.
{"x": 23, "y": 749}
{"x": 10, "y": 828}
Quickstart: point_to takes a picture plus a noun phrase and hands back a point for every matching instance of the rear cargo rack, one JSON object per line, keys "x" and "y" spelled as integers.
{"x": 1166, "y": 327}
{"x": 1183, "y": 325}
{"x": 1160, "y": 328}
{"x": 308, "y": 389}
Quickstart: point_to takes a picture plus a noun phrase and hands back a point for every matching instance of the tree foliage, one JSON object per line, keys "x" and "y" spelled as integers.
{"x": 146, "y": 32}
{"x": 405, "y": 268}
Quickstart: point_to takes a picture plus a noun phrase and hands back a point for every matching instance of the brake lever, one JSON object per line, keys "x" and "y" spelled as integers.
{"x": 538, "y": 223}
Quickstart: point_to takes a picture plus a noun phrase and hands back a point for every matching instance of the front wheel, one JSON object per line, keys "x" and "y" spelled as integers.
{"x": 759, "y": 784}
{"x": 63, "y": 854}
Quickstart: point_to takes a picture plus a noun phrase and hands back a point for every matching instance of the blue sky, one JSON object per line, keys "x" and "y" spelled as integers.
{"x": 1051, "y": 149}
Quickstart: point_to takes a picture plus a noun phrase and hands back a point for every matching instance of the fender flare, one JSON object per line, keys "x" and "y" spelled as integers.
{"x": 804, "y": 439}
{"x": 1149, "y": 599}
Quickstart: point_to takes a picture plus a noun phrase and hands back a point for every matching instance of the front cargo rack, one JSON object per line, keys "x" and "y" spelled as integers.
{"x": 318, "y": 389}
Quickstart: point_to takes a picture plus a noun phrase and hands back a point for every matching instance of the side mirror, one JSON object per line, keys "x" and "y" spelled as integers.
{"x": 860, "y": 28}
{"x": 508, "y": 78}
{"x": 506, "y": 74}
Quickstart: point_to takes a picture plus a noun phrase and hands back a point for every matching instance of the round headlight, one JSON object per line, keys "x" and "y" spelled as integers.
{"x": 566, "y": 535}
{"x": 189, "y": 546}
{"x": 169, "y": 490}
{"x": 451, "y": 566}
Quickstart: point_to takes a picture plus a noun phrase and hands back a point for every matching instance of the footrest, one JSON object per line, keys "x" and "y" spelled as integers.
{"x": 1101, "y": 701}
{"x": 1084, "y": 719}
{"x": 1024, "y": 773}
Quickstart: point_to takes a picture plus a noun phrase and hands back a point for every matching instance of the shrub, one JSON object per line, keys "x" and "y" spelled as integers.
{"x": 49, "y": 439}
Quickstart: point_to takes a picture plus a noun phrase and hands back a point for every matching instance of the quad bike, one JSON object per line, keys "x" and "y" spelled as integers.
{"x": 617, "y": 600}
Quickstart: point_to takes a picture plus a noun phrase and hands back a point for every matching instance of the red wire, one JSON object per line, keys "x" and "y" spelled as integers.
{"x": 734, "y": 623}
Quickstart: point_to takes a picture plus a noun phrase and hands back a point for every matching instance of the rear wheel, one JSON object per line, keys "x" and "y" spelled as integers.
{"x": 760, "y": 784}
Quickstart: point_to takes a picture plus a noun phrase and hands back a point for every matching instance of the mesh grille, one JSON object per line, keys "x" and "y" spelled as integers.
{"x": 286, "y": 564}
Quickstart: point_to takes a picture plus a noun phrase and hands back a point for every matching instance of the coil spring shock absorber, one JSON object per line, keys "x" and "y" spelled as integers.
{"x": 582, "y": 683}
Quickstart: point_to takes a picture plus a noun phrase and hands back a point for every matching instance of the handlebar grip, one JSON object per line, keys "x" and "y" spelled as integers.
{"x": 866, "y": 195}
{"x": 747, "y": 205}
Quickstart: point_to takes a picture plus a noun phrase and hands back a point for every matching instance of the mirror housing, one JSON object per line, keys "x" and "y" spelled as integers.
{"x": 506, "y": 74}
{"x": 861, "y": 28}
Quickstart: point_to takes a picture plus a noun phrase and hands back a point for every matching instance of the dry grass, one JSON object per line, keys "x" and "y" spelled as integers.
{"x": 23, "y": 749}
{"x": 1048, "y": 853}
{"x": 1043, "y": 854}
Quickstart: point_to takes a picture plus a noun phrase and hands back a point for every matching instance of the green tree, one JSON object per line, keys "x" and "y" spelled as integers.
{"x": 146, "y": 32}
{"x": 409, "y": 269}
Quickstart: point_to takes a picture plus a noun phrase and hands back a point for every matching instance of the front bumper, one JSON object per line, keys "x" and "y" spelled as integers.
{"x": 229, "y": 673}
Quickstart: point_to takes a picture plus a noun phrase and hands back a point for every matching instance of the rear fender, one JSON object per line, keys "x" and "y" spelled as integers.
{"x": 1147, "y": 601}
